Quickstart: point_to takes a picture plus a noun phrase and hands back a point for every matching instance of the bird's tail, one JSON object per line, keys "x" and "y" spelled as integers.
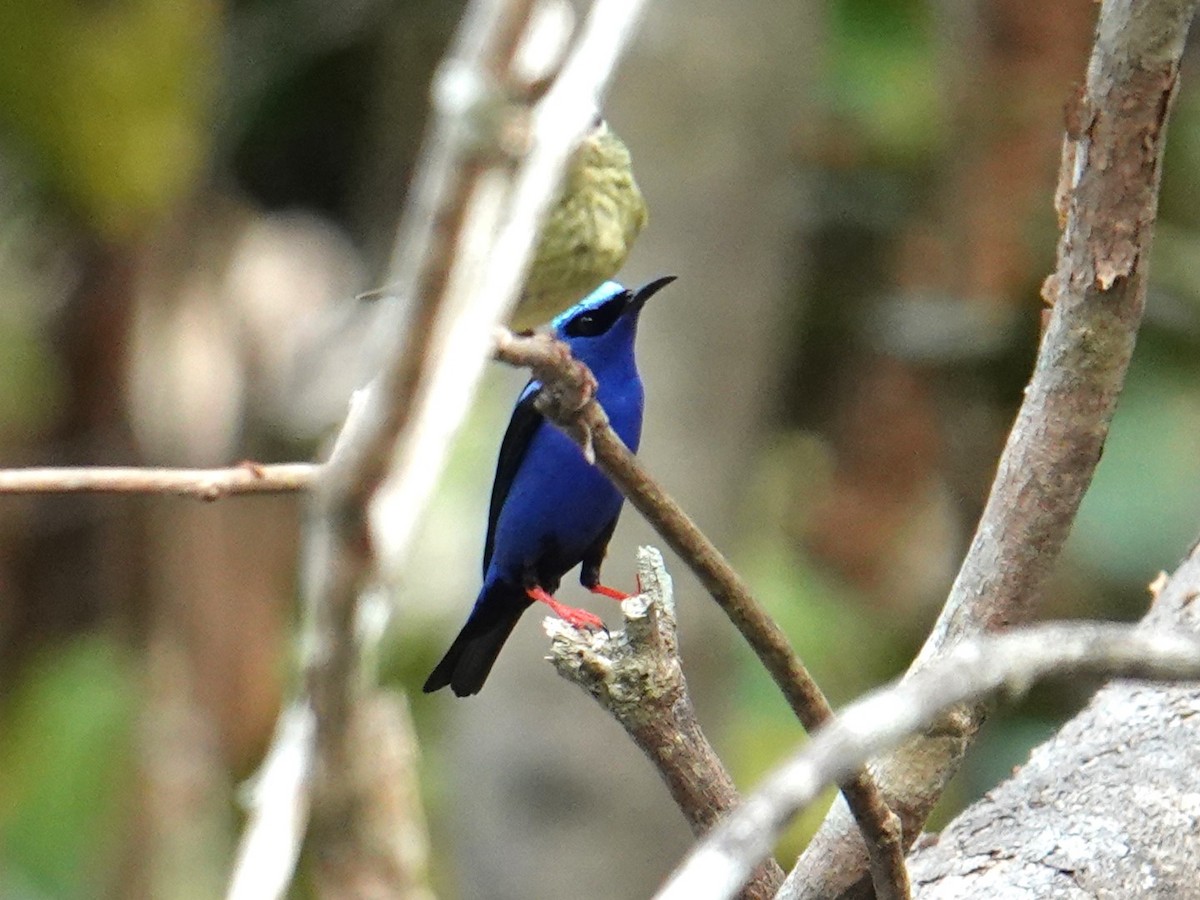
{"x": 470, "y": 658}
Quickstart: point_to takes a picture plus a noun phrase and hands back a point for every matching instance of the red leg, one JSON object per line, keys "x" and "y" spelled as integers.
{"x": 605, "y": 591}
{"x": 579, "y": 618}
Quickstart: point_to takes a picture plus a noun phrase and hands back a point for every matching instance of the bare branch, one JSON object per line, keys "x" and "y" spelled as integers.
{"x": 277, "y": 802}
{"x": 568, "y": 401}
{"x": 493, "y": 255}
{"x": 637, "y": 677}
{"x": 1107, "y": 202}
{"x": 1008, "y": 664}
{"x": 202, "y": 484}
{"x": 391, "y": 820}
{"x": 461, "y": 253}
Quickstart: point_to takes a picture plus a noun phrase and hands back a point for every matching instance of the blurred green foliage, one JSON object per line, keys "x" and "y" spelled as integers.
{"x": 1140, "y": 514}
{"x": 66, "y": 771}
{"x": 881, "y": 77}
{"x": 109, "y": 101}
{"x": 28, "y": 380}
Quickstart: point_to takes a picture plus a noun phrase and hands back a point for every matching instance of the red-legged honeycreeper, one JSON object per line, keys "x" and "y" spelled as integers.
{"x": 550, "y": 509}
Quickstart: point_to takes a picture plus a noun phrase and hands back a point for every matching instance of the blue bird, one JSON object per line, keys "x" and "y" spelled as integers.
{"x": 550, "y": 510}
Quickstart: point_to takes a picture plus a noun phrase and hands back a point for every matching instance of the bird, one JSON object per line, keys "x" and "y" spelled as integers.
{"x": 550, "y": 509}
{"x": 596, "y": 216}
{"x": 597, "y": 213}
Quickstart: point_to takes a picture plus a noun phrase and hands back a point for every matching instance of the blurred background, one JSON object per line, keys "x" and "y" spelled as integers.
{"x": 856, "y": 197}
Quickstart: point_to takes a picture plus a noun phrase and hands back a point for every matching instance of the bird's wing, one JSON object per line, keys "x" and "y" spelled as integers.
{"x": 522, "y": 426}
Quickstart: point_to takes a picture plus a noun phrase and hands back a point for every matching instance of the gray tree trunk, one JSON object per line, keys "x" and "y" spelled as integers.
{"x": 1109, "y": 807}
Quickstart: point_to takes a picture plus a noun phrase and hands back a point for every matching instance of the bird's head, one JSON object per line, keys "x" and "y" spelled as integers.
{"x": 604, "y": 323}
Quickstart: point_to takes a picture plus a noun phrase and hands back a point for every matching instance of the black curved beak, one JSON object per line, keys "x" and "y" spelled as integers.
{"x": 648, "y": 290}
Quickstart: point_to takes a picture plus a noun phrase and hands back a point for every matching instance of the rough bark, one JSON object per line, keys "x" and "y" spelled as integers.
{"x": 1004, "y": 665}
{"x": 1109, "y": 807}
{"x": 636, "y": 675}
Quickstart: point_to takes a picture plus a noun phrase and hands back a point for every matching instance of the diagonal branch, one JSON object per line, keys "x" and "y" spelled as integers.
{"x": 449, "y": 204}
{"x": 570, "y": 388}
{"x": 1007, "y": 664}
{"x": 1108, "y": 199}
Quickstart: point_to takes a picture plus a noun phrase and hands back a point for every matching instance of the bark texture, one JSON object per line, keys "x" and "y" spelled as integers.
{"x": 637, "y": 676}
{"x": 1109, "y": 807}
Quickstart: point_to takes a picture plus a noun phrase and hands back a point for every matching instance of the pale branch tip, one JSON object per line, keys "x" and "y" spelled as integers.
{"x": 636, "y": 675}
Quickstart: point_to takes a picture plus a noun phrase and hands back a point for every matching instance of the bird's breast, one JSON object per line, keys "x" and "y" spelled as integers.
{"x": 624, "y": 404}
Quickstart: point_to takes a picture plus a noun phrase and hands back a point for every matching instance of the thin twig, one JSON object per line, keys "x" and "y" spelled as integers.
{"x": 636, "y": 676}
{"x": 1107, "y": 201}
{"x": 202, "y": 484}
{"x": 1008, "y": 664}
{"x": 574, "y": 409}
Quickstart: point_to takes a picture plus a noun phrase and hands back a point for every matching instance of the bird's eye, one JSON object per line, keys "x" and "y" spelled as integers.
{"x": 596, "y": 321}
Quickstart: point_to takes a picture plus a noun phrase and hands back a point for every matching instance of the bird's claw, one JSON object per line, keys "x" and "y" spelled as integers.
{"x": 576, "y": 618}
{"x": 581, "y": 618}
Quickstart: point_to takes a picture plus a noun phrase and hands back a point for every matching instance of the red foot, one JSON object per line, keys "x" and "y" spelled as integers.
{"x": 579, "y": 618}
{"x": 609, "y": 592}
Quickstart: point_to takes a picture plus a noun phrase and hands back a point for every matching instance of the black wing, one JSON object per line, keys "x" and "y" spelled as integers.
{"x": 522, "y": 426}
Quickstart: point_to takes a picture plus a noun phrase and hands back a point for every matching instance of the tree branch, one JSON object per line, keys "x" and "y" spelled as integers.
{"x": 202, "y": 484}
{"x": 276, "y": 801}
{"x": 568, "y": 401}
{"x": 1106, "y": 807}
{"x": 1008, "y": 664}
{"x": 636, "y": 676}
{"x": 392, "y": 822}
{"x": 1107, "y": 204}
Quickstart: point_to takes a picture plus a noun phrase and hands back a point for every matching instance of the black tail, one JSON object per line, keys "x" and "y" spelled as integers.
{"x": 466, "y": 665}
